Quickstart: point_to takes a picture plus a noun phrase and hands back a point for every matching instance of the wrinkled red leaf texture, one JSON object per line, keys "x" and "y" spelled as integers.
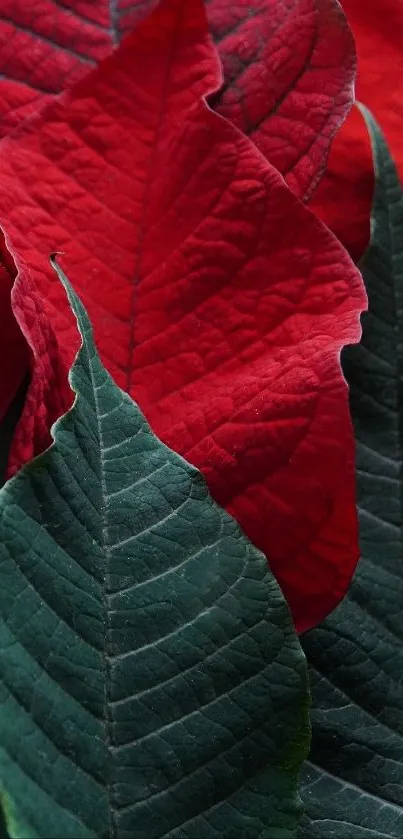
{"x": 45, "y": 45}
{"x": 219, "y": 302}
{"x": 289, "y": 70}
{"x": 288, "y": 73}
{"x": 345, "y": 195}
{"x": 288, "y": 66}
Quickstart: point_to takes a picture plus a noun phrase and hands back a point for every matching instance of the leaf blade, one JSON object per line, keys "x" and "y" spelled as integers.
{"x": 145, "y": 662}
{"x": 363, "y": 715}
{"x": 45, "y": 47}
{"x": 289, "y": 73}
{"x": 216, "y": 298}
{"x": 272, "y": 56}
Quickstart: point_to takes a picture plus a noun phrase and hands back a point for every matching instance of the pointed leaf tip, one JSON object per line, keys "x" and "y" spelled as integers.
{"x": 217, "y": 300}
{"x": 152, "y": 683}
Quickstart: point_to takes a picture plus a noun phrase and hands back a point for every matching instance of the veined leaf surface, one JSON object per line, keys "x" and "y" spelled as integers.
{"x": 289, "y": 71}
{"x": 45, "y": 45}
{"x": 289, "y": 67}
{"x": 344, "y": 197}
{"x": 152, "y": 684}
{"x": 353, "y": 785}
{"x": 217, "y": 299}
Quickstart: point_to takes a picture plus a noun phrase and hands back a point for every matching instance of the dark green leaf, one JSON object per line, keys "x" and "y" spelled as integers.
{"x": 353, "y": 786}
{"x": 152, "y": 683}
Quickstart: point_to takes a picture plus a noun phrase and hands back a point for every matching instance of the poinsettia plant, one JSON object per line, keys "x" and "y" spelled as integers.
{"x": 179, "y": 497}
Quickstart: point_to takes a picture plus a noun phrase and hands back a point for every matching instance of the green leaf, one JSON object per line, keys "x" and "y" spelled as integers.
{"x": 152, "y": 682}
{"x": 353, "y": 785}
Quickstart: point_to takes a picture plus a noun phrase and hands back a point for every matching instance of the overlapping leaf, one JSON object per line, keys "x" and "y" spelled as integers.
{"x": 217, "y": 299}
{"x": 44, "y": 46}
{"x": 353, "y": 786}
{"x": 288, "y": 67}
{"x": 377, "y": 27}
{"x": 289, "y": 71}
{"x": 151, "y": 683}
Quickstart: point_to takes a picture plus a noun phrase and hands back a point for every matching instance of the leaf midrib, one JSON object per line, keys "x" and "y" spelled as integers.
{"x": 107, "y": 553}
{"x": 144, "y": 201}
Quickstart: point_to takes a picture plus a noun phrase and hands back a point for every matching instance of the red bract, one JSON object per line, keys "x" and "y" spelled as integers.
{"x": 345, "y": 195}
{"x": 219, "y": 302}
{"x": 48, "y": 396}
{"x": 288, "y": 67}
{"x": 44, "y": 47}
{"x": 289, "y": 72}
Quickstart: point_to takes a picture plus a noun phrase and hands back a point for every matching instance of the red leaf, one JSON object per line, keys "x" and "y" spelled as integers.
{"x": 45, "y": 45}
{"x": 289, "y": 71}
{"x": 49, "y": 395}
{"x": 289, "y": 67}
{"x": 345, "y": 196}
{"x": 218, "y": 300}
